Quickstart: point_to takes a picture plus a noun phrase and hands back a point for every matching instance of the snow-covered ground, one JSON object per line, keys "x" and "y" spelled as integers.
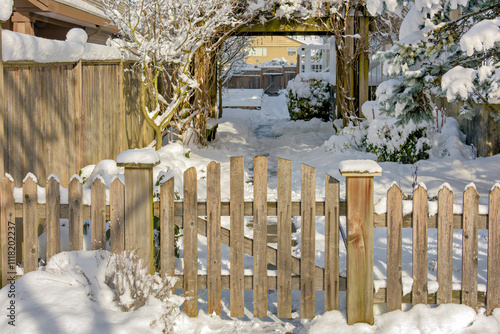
{"x": 52, "y": 301}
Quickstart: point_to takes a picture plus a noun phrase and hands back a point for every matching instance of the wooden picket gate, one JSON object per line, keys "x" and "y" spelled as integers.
{"x": 292, "y": 273}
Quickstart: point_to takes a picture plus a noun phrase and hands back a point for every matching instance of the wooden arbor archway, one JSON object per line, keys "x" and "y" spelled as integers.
{"x": 352, "y": 78}
{"x": 351, "y": 69}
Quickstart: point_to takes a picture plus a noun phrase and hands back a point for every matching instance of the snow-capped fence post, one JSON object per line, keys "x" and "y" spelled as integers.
{"x": 359, "y": 196}
{"x": 138, "y": 166}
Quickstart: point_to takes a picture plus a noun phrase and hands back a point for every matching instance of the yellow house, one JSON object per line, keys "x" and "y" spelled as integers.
{"x": 269, "y": 47}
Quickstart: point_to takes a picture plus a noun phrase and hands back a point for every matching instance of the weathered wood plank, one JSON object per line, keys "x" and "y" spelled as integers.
{"x": 30, "y": 225}
{"x": 332, "y": 197}
{"x": 213, "y": 239}
{"x": 138, "y": 211}
{"x": 260, "y": 238}
{"x": 98, "y": 215}
{"x": 445, "y": 246}
{"x": 190, "y": 243}
{"x": 493, "y": 288}
{"x": 394, "y": 248}
{"x": 307, "y": 240}
{"x": 359, "y": 296}
{"x": 469, "y": 248}
{"x": 53, "y": 220}
{"x": 167, "y": 229}
{"x": 237, "y": 239}
{"x": 117, "y": 216}
{"x": 75, "y": 203}
{"x": 284, "y": 238}
{"x": 8, "y": 248}
{"x": 419, "y": 291}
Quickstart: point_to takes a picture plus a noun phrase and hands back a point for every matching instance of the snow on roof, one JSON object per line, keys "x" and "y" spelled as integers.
{"x": 83, "y": 6}
{"x": 138, "y": 156}
{"x": 5, "y": 9}
{"x": 308, "y": 40}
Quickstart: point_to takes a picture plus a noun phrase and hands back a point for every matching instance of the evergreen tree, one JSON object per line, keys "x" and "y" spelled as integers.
{"x": 445, "y": 55}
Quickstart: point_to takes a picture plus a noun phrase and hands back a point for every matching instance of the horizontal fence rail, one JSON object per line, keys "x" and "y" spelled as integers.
{"x": 293, "y": 273}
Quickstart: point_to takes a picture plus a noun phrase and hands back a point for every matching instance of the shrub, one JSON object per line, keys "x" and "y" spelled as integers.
{"x": 390, "y": 142}
{"x": 135, "y": 287}
{"x": 308, "y": 97}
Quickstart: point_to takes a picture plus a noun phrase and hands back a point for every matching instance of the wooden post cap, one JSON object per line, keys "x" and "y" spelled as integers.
{"x": 138, "y": 158}
{"x": 361, "y": 168}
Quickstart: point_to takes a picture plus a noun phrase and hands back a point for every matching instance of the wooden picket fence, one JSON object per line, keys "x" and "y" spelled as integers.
{"x": 292, "y": 273}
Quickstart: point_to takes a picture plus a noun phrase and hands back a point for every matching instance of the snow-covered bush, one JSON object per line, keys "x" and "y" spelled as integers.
{"x": 308, "y": 97}
{"x": 392, "y": 142}
{"x": 135, "y": 287}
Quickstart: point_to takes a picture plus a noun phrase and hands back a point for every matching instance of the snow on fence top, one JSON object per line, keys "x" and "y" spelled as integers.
{"x": 5, "y": 9}
{"x": 21, "y": 47}
{"x": 359, "y": 166}
{"x": 138, "y": 156}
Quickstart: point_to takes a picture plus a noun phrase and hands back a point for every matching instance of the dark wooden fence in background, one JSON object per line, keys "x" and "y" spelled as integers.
{"x": 270, "y": 79}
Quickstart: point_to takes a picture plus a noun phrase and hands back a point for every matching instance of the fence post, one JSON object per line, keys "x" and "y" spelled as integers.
{"x": 359, "y": 195}
{"x": 139, "y": 165}
{"x": 262, "y": 78}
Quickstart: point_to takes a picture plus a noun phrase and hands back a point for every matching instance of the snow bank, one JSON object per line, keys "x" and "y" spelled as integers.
{"x": 75, "y": 293}
{"x": 21, "y": 47}
{"x": 5, "y": 9}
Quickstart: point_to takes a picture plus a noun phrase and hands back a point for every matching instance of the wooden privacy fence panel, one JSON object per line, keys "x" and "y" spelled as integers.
{"x": 270, "y": 79}
{"x": 61, "y": 117}
{"x": 293, "y": 273}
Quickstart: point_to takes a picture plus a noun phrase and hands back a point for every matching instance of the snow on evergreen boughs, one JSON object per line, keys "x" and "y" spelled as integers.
{"x": 456, "y": 59}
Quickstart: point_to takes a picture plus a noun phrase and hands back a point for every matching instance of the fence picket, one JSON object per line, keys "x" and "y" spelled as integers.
{"x": 359, "y": 259}
{"x": 190, "y": 225}
{"x": 117, "y": 216}
{"x": 260, "y": 238}
{"x": 30, "y": 222}
{"x": 394, "y": 248}
{"x": 7, "y": 224}
{"x": 98, "y": 214}
{"x": 445, "y": 246}
{"x": 213, "y": 239}
{"x": 332, "y": 197}
{"x": 284, "y": 238}
{"x": 167, "y": 229}
{"x": 53, "y": 212}
{"x": 493, "y": 288}
{"x": 237, "y": 240}
{"x": 419, "y": 216}
{"x": 75, "y": 201}
{"x": 469, "y": 248}
{"x": 307, "y": 241}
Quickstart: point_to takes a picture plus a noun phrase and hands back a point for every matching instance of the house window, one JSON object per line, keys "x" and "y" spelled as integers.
{"x": 258, "y": 52}
{"x": 291, "y": 52}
